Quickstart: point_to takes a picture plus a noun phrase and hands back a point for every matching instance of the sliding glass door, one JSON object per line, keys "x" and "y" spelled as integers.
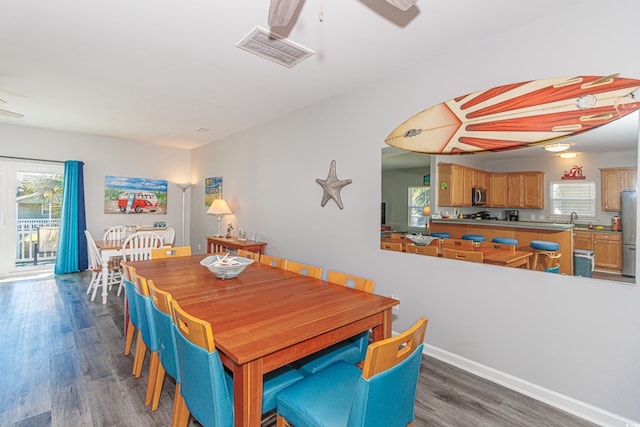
{"x": 31, "y": 196}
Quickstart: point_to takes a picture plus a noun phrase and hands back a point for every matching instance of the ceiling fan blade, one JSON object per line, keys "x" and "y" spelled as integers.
{"x": 402, "y": 4}
{"x": 281, "y": 11}
{"x": 11, "y": 114}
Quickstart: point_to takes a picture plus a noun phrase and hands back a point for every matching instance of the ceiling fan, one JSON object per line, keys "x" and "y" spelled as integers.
{"x": 281, "y": 11}
{"x": 9, "y": 113}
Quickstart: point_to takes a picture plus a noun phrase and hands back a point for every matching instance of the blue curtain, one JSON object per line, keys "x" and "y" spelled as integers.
{"x": 72, "y": 244}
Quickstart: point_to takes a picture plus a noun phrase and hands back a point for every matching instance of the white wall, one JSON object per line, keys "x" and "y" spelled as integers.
{"x": 577, "y": 339}
{"x": 107, "y": 156}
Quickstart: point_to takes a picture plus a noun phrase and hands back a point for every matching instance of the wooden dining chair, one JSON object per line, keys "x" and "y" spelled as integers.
{"x": 165, "y": 332}
{"x": 458, "y": 242}
{"x": 501, "y": 246}
{"x": 95, "y": 266}
{"x": 170, "y": 252}
{"x": 303, "y": 269}
{"x": 381, "y": 394}
{"x": 271, "y": 261}
{"x": 147, "y": 337}
{"x": 423, "y": 250}
{"x": 138, "y": 246}
{"x": 391, "y": 246}
{"x": 204, "y": 383}
{"x": 132, "y": 322}
{"x": 250, "y": 255}
{"x": 353, "y": 349}
{"x": 463, "y": 255}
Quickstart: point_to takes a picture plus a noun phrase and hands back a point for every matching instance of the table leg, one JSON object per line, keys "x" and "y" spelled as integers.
{"x": 383, "y": 330}
{"x": 247, "y": 394}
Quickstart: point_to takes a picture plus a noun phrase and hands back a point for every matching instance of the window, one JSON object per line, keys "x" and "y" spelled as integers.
{"x": 418, "y": 199}
{"x": 578, "y": 197}
{"x": 45, "y": 210}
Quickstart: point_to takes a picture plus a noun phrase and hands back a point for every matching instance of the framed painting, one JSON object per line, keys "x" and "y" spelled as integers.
{"x": 212, "y": 189}
{"x": 123, "y": 195}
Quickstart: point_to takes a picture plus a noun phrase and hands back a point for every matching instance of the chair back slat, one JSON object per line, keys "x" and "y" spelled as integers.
{"x": 391, "y": 246}
{"x": 170, "y": 252}
{"x": 423, "y": 250}
{"x": 463, "y": 255}
{"x": 271, "y": 261}
{"x": 114, "y": 233}
{"x": 345, "y": 279}
{"x": 303, "y": 269}
{"x": 138, "y": 246}
{"x": 196, "y": 331}
{"x": 248, "y": 254}
{"x": 385, "y": 354}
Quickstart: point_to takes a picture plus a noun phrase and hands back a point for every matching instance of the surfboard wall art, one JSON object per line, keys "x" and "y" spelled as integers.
{"x": 517, "y": 115}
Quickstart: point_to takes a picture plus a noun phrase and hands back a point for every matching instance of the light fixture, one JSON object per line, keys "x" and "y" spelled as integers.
{"x": 557, "y": 147}
{"x": 219, "y": 207}
{"x": 568, "y": 155}
{"x": 183, "y": 187}
{"x": 426, "y": 211}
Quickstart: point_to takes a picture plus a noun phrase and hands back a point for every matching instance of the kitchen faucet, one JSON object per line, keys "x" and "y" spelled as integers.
{"x": 572, "y": 217}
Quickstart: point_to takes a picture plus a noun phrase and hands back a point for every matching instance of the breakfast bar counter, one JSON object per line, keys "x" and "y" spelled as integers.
{"x": 523, "y": 231}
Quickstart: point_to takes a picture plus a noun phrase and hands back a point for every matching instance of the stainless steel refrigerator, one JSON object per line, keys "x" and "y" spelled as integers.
{"x": 628, "y": 219}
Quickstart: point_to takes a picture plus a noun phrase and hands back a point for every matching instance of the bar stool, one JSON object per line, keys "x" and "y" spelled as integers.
{"x": 440, "y": 234}
{"x": 505, "y": 241}
{"x": 544, "y": 248}
{"x": 476, "y": 238}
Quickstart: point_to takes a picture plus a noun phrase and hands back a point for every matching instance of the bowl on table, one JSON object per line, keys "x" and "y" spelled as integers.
{"x": 420, "y": 240}
{"x": 226, "y": 267}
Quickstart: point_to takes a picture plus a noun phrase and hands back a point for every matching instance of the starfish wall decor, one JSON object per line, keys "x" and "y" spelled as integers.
{"x": 332, "y": 186}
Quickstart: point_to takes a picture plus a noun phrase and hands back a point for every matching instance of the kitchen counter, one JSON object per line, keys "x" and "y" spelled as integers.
{"x": 522, "y": 224}
{"x": 523, "y": 231}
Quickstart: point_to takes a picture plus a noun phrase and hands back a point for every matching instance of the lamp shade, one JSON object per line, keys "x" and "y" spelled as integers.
{"x": 219, "y": 207}
{"x": 426, "y": 211}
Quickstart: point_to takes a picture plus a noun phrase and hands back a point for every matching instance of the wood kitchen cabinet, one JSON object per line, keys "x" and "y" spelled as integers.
{"x": 455, "y": 183}
{"x": 498, "y": 192}
{"x": 613, "y": 181}
{"x": 583, "y": 240}
{"x": 525, "y": 190}
{"x": 607, "y": 251}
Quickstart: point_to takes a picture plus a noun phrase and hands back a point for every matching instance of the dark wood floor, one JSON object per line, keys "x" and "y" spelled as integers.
{"x": 62, "y": 365}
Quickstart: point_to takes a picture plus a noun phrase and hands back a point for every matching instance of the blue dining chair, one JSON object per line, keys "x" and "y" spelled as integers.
{"x": 132, "y": 323}
{"x": 381, "y": 395}
{"x": 205, "y": 385}
{"x": 353, "y": 349}
{"x": 147, "y": 337}
{"x": 161, "y": 317}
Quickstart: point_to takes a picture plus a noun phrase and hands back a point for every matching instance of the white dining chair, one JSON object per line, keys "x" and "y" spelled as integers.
{"x": 95, "y": 265}
{"x": 114, "y": 233}
{"x": 138, "y": 246}
{"x": 169, "y": 236}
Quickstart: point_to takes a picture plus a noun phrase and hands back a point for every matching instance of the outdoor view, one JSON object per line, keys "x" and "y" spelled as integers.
{"x": 38, "y": 207}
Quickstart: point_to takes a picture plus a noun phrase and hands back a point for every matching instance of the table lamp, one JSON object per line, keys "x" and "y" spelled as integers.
{"x": 219, "y": 207}
{"x": 426, "y": 211}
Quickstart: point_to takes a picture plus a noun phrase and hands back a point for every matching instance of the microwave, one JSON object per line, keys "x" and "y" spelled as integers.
{"x": 478, "y": 197}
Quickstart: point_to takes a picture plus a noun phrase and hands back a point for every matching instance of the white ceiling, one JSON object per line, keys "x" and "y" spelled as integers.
{"x": 156, "y": 71}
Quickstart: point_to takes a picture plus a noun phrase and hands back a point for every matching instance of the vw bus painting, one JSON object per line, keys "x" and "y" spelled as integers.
{"x": 134, "y": 195}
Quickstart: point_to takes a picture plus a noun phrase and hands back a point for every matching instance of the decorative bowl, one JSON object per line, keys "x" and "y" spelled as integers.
{"x": 226, "y": 267}
{"x": 420, "y": 240}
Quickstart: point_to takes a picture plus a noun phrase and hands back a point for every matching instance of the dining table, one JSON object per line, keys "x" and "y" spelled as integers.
{"x": 267, "y": 318}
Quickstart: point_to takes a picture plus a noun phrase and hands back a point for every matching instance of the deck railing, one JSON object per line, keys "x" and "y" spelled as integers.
{"x": 27, "y": 238}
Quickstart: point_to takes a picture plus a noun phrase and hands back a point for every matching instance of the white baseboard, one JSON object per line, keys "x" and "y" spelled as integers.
{"x": 560, "y": 401}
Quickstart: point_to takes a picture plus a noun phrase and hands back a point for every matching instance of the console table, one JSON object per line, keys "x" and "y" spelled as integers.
{"x": 221, "y": 244}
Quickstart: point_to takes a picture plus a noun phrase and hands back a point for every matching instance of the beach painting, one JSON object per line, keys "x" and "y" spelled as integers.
{"x": 124, "y": 195}
{"x": 212, "y": 189}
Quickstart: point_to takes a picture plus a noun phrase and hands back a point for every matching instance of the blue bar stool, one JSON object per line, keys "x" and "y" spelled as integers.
{"x": 543, "y": 248}
{"x": 505, "y": 241}
{"x": 476, "y": 238}
{"x": 440, "y": 235}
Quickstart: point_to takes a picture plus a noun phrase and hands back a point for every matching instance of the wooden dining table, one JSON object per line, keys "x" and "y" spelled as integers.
{"x": 266, "y": 318}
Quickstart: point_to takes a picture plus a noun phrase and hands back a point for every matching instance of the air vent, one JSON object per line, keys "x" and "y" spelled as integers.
{"x": 274, "y": 47}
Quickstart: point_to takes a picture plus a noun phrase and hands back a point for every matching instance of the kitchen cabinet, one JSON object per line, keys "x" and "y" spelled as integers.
{"x": 498, "y": 190}
{"x": 455, "y": 183}
{"x": 525, "y": 190}
{"x": 612, "y": 182}
{"x": 583, "y": 240}
{"x": 608, "y": 251}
